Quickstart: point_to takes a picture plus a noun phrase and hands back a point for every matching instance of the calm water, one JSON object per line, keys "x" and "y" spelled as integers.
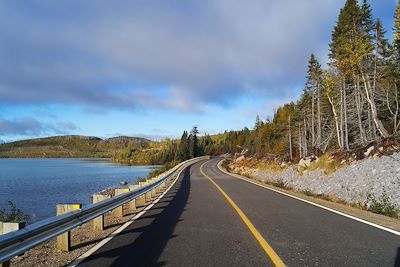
{"x": 38, "y": 185}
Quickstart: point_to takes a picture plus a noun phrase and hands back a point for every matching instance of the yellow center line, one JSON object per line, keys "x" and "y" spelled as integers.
{"x": 276, "y": 260}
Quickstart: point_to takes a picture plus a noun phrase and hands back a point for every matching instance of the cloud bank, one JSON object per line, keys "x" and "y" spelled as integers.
{"x": 179, "y": 55}
{"x": 29, "y": 126}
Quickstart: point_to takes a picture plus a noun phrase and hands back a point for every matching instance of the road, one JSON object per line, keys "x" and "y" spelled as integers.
{"x": 194, "y": 225}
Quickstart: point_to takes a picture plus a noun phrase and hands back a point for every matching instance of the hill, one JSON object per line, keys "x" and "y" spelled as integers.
{"x": 69, "y": 146}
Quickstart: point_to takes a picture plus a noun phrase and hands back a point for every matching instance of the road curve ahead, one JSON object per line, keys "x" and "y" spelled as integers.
{"x": 196, "y": 224}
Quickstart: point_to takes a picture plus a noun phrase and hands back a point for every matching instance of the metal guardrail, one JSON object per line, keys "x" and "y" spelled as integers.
{"x": 18, "y": 242}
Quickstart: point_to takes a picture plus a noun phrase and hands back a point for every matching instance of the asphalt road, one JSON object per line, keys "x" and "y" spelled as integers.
{"x": 194, "y": 225}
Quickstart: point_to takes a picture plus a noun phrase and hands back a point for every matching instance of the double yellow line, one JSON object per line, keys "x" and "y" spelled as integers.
{"x": 276, "y": 260}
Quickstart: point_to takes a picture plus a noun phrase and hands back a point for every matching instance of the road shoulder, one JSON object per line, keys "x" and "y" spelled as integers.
{"x": 380, "y": 220}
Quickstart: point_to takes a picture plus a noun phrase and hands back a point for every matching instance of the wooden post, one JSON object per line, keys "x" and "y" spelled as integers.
{"x": 8, "y": 227}
{"x": 148, "y": 194}
{"x": 153, "y": 191}
{"x": 158, "y": 188}
{"x": 98, "y": 223}
{"x": 64, "y": 240}
{"x": 119, "y": 212}
{"x": 132, "y": 204}
{"x": 140, "y": 201}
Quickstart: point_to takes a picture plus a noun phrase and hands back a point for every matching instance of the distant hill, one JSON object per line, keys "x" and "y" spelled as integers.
{"x": 69, "y": 146}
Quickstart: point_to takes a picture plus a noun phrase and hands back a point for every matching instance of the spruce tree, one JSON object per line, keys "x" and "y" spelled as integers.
{"x": 396, "y": 28}
{"x": 194, "y": 146}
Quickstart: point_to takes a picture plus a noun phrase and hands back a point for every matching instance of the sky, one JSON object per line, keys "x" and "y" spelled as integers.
{"x": 156, "y": 68}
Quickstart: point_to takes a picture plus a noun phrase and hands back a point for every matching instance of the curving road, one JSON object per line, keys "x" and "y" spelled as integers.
{"x": 194, "y": 225}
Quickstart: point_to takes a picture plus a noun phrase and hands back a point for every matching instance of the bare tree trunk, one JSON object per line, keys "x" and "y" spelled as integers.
{"x": 305, "y": 148}
{"x": 394, "y": 113}
{"x": 327, "y": 141}
{"x": 370, "y": 98}
{"x": 346, "y": 131}
{"x": 336, "y": 117}
{"x": 357, "y": 98}
{"x": 290, "y": 141}
{"x": 300, "y": 142}
{"x": 341, "y": 117}
{"x": 312, "y": 119}
{"x": 319, "y": 129}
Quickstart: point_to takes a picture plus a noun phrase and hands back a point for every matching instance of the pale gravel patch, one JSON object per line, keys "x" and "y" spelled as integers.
{"x": 351, "y": 183}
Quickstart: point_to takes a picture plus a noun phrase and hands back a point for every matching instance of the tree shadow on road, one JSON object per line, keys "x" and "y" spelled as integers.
{"x": 142, "y": 243}
{"x": 397, "y": 260}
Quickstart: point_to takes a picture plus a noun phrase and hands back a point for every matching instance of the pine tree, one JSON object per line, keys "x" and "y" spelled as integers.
{"x": 396, "y": 28}
{"x": 381, "y": 42}
{"x": 258, "y": 122}
{"x": 313, "y": 85}
{"x": 193, "y": 142}
{"x": 184, "y": 146}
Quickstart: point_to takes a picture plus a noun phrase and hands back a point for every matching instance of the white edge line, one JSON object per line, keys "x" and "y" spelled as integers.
{"x": 120, "y": 229}
{"x": 309, "y": 202}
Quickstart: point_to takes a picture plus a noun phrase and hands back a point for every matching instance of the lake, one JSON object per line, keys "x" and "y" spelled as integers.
{"x": 38, "y": 185}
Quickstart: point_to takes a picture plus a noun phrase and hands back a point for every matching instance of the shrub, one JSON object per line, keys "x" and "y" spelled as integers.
{"x": 225, "y": 164}
{"x": 280, "y": 184}
{"x": 308, "y": 192}
{"x": 162, "y": 169}
{"x": 13, "y": 214}
{"x": 383, "y": 205}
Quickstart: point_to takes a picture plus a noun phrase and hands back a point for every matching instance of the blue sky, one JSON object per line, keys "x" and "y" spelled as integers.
{"x": 156, "y": 68}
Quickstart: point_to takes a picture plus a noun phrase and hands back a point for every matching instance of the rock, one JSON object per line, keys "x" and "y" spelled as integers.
{"x": 380, "y": 149}
{"x": 123, "y": 183}
{"x": 241, "y": 158}
{"x": 306, "y": 162}
{"x": 369, "y": 150}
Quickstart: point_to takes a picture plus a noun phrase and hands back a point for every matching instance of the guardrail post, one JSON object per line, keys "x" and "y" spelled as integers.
{"x": 132, "y": 203}
{"x": 119, "y": 212}
{"x": 147, "y": 194}
{"x": 153, "y": 191}
{"x": 140, "y": 201}
{"x": 98, "y": 223}
{"x": 158, "y": 188}
{"x": 64, "y": 240}
{"x": 8, "y": 227}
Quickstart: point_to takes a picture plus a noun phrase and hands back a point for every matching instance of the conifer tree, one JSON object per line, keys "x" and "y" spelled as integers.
{"x": 193, "y": 142}
{"x": 396, "y": 28}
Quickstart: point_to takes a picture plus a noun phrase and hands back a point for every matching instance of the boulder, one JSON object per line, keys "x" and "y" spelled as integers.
{"x": 305, "y": 163}
{"x": 241, "y": 158}
{"x": 369, "y": 150}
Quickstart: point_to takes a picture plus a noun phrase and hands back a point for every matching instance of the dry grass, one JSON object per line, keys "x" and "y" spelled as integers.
{"x": 263, "y": 165}
{"x": 326, "y": 163}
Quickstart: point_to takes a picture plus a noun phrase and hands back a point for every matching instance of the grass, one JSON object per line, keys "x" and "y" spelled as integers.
{"x": 326, "y": 163}
{"x": 382, "y": 205}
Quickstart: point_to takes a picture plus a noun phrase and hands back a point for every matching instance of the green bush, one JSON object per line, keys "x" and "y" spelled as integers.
{"x": 163, "y": 168}
{"x": 383, "y": 205}
{"x": 13, "y": 214}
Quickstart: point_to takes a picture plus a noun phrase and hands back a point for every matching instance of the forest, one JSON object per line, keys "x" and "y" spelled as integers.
{"x": 352, "y": 102}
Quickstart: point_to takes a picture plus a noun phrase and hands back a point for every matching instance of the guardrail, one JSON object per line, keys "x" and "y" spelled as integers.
{"x": 18, "y": 242}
